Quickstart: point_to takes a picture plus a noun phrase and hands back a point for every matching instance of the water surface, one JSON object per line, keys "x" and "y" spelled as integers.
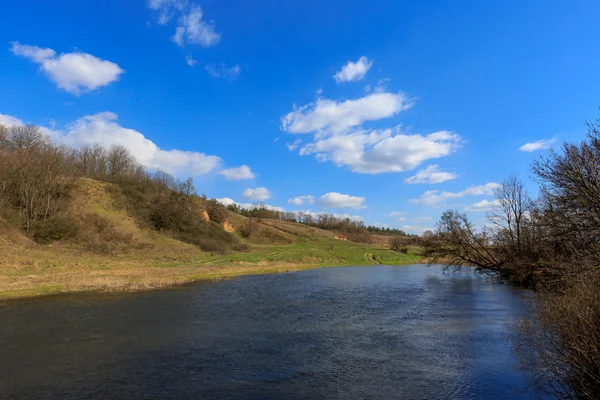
{"x": 338, "y": 333}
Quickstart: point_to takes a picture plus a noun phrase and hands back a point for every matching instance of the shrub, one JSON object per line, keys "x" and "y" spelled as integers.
{"x": 560, "y": 342}
{"x": 100, "y": 235}
{"x": 216, "y": 211}
{"x": 57, "y": 227}
{"x": 248, "y": 228}
{"x": 360, "y": 237}
{"x": 398, "y": 244}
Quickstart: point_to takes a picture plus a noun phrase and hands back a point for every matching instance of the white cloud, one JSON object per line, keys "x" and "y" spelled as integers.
{"x": 314, "y": 214}
{"x": 394, "y": 214}
{"x": 415, "y": 230}
{"x": 422, "y": 219}
{"x": 191, "y": 27}
{"x": 339, "y": 200}
{"x": 539, "y": 145}
{"x": 397, "y": 215}
{"x": 483, "y": 205}
{"x": 226, "y": 201}
{"x": 337, "y": 136}
{"x": 334, "y": 116}
{"x": 166, "y": 8}
{"x": 222, "y": 71}
{"x": 9, "y": 121}
{"x": 238, "y": 174}
{"x": 299, "y": 200}
{"x": 293, "y": 146}
{"x": 75, "y": 73}
{"x": 353, "y": 71}
{"x": 193, "y": 30}
{"x": 380, "y": 225}
{"x": 191, "y": 61}
{"x": 431, "y": 174}
{"x": 103, "y": 129}
{"x": 433, "y": 197}
{"x": 379, "y": 151}
{"x": 258, "y": 194}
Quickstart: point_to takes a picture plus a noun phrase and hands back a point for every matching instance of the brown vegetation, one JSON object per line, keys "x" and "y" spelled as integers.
{"x": 38, "y": 179}
{"x": 553, "y": 244}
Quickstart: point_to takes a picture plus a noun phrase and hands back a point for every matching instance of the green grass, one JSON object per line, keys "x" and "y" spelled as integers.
{"x": 156, "y": 260}
{"x": 47, "y": 271}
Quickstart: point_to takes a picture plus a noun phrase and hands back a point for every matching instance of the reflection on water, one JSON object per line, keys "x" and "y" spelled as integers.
{"x": 339, "y": 333}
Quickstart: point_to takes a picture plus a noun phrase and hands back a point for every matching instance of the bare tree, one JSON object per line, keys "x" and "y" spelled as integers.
{"x": 513, "y": 209}
{"x": 462, "y": 245}
{"x": 120, "y": 161}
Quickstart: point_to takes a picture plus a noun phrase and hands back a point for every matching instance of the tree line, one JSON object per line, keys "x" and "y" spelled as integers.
{"x": 37, "y": 180}
{"x": 552, "y": 243}
{"x": 353, "y": 229}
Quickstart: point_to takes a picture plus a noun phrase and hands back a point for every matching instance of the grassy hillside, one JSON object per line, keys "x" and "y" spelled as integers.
{"x": 105, "y": 247}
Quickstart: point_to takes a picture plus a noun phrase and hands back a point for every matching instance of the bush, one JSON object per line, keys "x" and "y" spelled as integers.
{"x": 216, "y": 211}
{"x": 397, "y": 243}
{"x": 100, "y": 235}
{"x": 360, "y": 237}
{"x": 560, "y": 343}
{"x": 57, "y": 227}
{"x": 248, "y": 228}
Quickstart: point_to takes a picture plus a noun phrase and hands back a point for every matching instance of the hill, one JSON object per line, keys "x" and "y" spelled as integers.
{"x": 100, "y": 244}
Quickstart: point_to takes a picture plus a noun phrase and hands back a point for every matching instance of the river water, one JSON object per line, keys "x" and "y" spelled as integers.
{"x": 336, "y": 333}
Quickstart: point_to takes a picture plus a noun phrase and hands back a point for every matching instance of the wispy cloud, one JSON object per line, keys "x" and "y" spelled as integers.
{"x": 191, "y": 27}
{"x": 483, "y": 205}
{"x": 300, "y": 200}
{"x": 191, "y": 61}
{"x": 431, "y": 174}
{"x": 222, "y": 71}
{"x": 353, "y": 71}
{"x": 434, "y": 197}
{"x": 539, "y": 145}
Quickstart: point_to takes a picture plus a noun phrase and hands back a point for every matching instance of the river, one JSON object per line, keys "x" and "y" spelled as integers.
{"x": 373, "y": 332}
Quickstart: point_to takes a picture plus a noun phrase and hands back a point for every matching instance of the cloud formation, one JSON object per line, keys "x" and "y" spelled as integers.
{"x": 432, "y": 175}
{"x": 300, "y": 200}
{"x": 340, "y": 200}
{"x": 379, "y": 151}
{"x": 238, "y": 174}
{"x": 415, "y": 230}
{"x": 539, "y": 145}
{"x": 191, "y": 61}
{"x": 191, "y": 27}
{"x": 258, "y": 194}
{"x": 483, "y": 205}
{"x": 75, "y": 73}
{"x": 433, "y": 197}
{"x": 353, "y": 71}
{"x": 394, "y": 214}
{"x": 337, "y": 135}
{"x": 332, "y": 116}
{"x": 315, "y": 214}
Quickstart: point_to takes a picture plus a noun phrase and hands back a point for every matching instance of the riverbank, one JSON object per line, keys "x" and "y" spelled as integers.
{"x": 33, "y": 270}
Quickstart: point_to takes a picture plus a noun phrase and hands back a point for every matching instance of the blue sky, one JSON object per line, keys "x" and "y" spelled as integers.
{"x": 391, "y": 111}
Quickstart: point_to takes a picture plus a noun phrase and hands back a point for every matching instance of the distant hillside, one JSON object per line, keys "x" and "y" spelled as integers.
{"x": 93, "y": 219}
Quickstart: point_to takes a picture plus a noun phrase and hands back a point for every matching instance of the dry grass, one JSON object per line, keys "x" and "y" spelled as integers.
{"x": 149, "y": 259}
{"x": 29, "y": 269}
